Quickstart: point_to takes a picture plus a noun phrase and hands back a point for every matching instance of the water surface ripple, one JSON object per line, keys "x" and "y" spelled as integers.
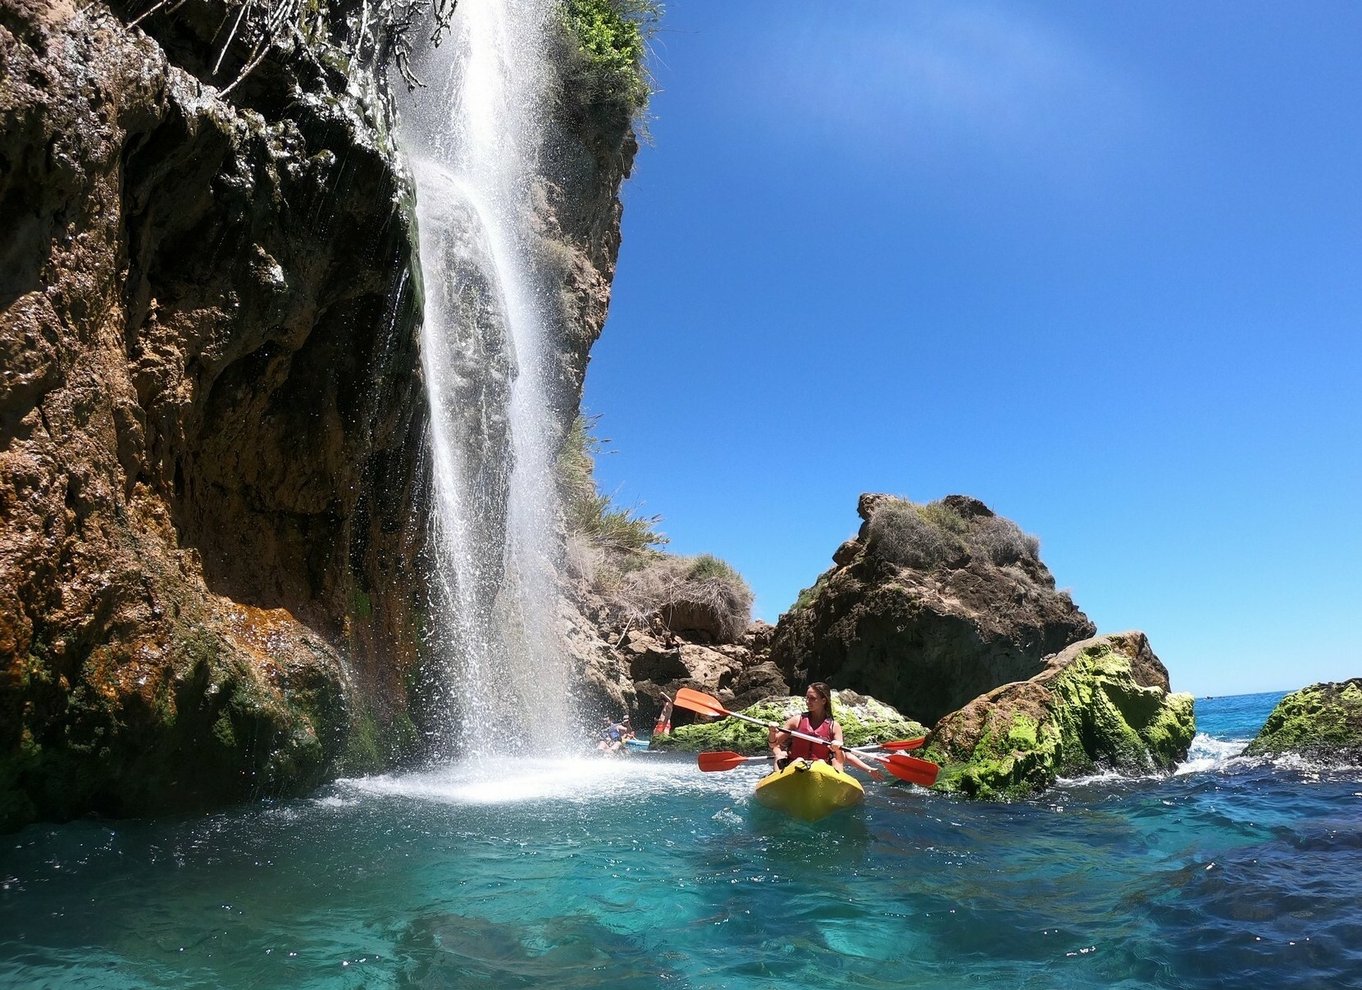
{"x": 643, "y": 872}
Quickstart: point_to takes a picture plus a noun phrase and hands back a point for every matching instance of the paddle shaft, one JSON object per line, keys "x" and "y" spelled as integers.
{"x": 780, "y": 728}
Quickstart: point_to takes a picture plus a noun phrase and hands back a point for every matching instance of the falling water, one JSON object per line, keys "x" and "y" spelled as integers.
{"x": 474, "y": 136}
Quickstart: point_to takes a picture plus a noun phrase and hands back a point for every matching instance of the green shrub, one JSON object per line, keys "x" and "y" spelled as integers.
{"x": 611, "y": 41}
{"x": 901, "y": 534}
{"x": 1003, "y": 542}
{"x": 591, "y": 514}
{"x": 707, "y": 566}
{"x": 936, "y": 535}
{"x": 807, "y": 596}
{"x": 686, "y": 593}
{"x": 615, "y": 552}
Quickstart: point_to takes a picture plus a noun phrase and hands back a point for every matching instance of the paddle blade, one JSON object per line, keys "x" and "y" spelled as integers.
{"x": 697, "y": 701}
{"x": 911, "y": 769}
{"x": 902, "y": 744}
{"x": 723, "y": 760}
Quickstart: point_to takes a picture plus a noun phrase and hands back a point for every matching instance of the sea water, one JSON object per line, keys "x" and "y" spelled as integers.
{"x": 642, "y": 871}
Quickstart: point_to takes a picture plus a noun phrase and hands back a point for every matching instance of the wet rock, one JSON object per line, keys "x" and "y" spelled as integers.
{"x": 1322, "y": 723}
{"x": 213, "y": 572}
{"x": 1101, "y": 704}
{"x": 210, "y": 418}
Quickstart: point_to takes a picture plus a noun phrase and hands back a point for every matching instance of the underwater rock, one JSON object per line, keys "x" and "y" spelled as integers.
{"x": 1322, "y": 722}
{"x": 1102, "y": 704}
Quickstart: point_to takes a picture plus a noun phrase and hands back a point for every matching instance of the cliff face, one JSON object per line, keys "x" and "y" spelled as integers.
{"x": 212, "y": 515}
{"x": 927, "y": 608}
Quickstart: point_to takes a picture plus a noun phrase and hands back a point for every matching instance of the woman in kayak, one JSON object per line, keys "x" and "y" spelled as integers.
{"x": 817, "y": 721}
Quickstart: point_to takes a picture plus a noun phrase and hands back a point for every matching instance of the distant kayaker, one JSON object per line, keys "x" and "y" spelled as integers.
{"x": 817, "y": 721}
{"x": 611, "y": 736}
{"x": 663, "y": 726}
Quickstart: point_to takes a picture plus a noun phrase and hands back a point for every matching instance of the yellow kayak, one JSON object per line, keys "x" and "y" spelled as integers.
{"x": 809, "y": 790}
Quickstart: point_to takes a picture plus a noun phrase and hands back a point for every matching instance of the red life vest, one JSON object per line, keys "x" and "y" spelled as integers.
{"x": 802, "y": 749}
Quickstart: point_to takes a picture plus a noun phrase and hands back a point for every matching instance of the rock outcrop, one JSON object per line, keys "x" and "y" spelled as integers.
{"x": 208, "y": 420}
{"x": 927, "y": 608}
{"x": 1104, "y": 703}
{"x": 632, "y": 669}
{"x": 1322, "y": 723}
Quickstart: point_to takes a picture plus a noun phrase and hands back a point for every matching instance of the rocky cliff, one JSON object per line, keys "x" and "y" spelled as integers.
{"x": 927, "y": 608}
{"x": 212, "y": 514}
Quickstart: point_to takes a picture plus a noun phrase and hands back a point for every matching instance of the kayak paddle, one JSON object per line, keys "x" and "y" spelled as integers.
{"x": 908, "y": 768}
{"x": 901, "y": 765}
{"x": 725, "y": 760}
{"x": 901, "y": 744}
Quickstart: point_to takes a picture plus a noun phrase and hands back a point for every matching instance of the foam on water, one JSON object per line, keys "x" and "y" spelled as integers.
{"x": 575, "y": 780}
{"x": 1208, "y": 753}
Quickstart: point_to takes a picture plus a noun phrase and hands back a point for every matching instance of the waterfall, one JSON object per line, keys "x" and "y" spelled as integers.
{"x": 474, "y": 136}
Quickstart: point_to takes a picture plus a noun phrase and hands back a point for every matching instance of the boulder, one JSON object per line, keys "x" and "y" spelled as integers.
{"x": 1101, "y": 704}
{"x": 762, "y": 680}
{"x": 1322, "y": 722}
{"x": 928, "y": 613}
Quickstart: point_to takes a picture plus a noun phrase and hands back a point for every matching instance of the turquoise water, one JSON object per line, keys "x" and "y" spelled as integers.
{"x": 644, "y": 872}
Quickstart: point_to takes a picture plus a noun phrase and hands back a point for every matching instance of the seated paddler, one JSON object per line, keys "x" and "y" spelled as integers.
{"x": 818, "y": 721}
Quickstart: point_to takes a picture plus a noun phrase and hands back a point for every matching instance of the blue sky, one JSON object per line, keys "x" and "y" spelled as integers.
{"x": 1096, "y": 264}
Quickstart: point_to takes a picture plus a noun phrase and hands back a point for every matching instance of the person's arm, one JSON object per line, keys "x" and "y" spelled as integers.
{"x": 855, "y": 760}
{"x": 778, "y": 739}
{"x": 836, "y": 743}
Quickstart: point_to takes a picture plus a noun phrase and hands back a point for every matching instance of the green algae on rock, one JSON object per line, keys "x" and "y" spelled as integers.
{"x": 864, "y": 721}
{"x": 1322, "y": 722}
{"x": 1103, "y": 703}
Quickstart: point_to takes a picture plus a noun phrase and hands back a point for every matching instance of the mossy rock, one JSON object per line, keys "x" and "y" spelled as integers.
{"x": 211, "y": 729}
{"x": 1014, "y": 758}
{"x": 1088, "y": 711}
{"x": 372, "y": 746}
{"x": 1322, "y": 722}
{"x": 863, "y": 719}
